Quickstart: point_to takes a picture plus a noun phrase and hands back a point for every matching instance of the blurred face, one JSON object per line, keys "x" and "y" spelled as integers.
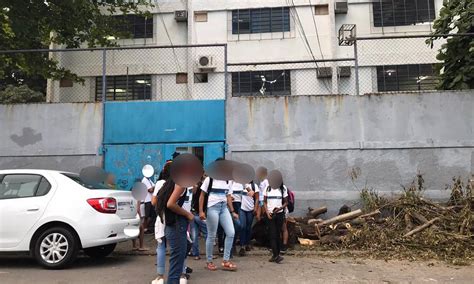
{"x": 110, "y": 179}
{"x": 261, "y": 174}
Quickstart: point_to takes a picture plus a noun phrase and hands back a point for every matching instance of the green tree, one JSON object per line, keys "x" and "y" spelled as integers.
{"x": 22, "y": 94}
{"x": 35, "y": 24}
{"x": 457, "y": 54}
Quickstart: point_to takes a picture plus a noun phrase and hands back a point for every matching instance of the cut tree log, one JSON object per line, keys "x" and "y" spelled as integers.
{"x": 314, "y": 213}
{"x": 421, "y": 228}
{"x": 340, "y": 218}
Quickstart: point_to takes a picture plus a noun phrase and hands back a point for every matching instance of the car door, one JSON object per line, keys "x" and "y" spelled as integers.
{"x": 23, "y": 200}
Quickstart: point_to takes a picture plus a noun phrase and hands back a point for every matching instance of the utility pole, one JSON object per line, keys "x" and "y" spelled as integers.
{"x": 190, "y": 51}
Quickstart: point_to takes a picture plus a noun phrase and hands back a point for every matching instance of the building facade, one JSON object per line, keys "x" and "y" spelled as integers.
{"x": 258, "y": 34}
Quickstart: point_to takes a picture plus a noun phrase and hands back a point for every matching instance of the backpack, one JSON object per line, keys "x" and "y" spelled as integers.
{"x": 291, "y": 201}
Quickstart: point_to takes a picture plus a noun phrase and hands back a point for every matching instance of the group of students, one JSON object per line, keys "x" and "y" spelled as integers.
{"x": 222, "y": 209}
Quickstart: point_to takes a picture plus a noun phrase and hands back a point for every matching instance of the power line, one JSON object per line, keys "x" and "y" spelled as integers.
{"x": 306, "y": 41}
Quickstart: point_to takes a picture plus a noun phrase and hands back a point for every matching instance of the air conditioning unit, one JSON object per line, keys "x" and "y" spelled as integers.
{"x": 344, "y": 71}
{"x": 181, "y": 16}
{"x": 341, "y": 7}
{"x": 206, "y": 64}
{"x": 324, "y": 72}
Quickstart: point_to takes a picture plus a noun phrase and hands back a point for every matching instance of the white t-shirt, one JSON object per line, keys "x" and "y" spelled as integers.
{"x": 237, "y": 191}
{"x": 220, "y": 190}
{"x": 248, "y": 203}
{"x": 189, "y": 198}
{"x": 275, "y": 198}
{"x": 263, "y": 187}
{"x": 159, "y": 184}
{"x": 148, "y": 184}
{"x": 159, "y": 226}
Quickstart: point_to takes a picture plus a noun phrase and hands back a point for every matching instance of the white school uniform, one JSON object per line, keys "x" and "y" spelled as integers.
{"x": 159, "y": 226}
{"x": 275, "y": 198}
{"x": 148, "y": 184}
{"x": 219, "y": 192}
{"x": 248, "y": 203}
{"x": 263, "y": 187}
{"x": 189, "y": 198}
{"x": 237, "y": 191}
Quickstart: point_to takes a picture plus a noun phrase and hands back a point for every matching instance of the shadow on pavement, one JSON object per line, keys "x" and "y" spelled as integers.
{"x": 24, "y": 261}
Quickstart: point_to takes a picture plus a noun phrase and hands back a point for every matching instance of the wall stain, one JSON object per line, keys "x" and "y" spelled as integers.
{"x": 28, "y": 137}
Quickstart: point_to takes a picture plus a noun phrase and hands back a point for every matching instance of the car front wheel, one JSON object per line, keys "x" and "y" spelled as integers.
{"x": 55, "y": 248}
{"x": 100, "y": 251}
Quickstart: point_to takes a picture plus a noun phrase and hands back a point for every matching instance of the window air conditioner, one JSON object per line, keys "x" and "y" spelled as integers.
{"x": 341, "y": 7}
{"x": 324, "y": 72}
{"x": 206, "y": 64}
{"x": 181, "y": 16}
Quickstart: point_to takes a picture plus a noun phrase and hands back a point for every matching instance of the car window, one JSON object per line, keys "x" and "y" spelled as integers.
{"x": 43, "y": 187}
{"x": 86, "y": 184}
{"x": 19, "y": 185}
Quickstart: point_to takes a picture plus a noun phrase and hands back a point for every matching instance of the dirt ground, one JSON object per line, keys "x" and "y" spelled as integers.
{"x": 300, "y": 267}
{"x": 252, "y": 269}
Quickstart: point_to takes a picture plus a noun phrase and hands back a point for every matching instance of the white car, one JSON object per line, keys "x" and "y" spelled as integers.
{"x": 55, "y": 214}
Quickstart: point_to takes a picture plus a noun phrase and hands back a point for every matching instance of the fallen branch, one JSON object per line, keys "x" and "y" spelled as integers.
{"x": 371, "y": 214}
{"x": 343, "y": 217}
{"x": 421, "y": 228}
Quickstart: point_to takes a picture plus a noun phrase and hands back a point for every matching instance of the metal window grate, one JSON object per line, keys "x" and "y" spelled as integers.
{"x": 389, "y": 13}
{"x": 413, "y": 77}
{"x": 124, "y": 88}
{"x": 264, "y": 20}
{"x": 135, "y": 26}
{"x": 261, "y": 83}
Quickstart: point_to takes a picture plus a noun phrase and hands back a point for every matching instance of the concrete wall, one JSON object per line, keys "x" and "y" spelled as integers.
{"x": 50, "y": 136}
{"x": 317, "y": 140}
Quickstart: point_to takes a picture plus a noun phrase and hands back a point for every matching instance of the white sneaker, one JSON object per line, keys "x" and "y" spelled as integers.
{"x": 158, "y": 280}
{"x": 183, "y": 280}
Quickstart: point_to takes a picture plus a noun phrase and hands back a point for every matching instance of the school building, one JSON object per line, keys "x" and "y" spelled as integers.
{"x": 275, "y": 83}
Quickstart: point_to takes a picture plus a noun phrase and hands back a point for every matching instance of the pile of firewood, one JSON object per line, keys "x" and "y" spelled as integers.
{"x": 408, "y": 225}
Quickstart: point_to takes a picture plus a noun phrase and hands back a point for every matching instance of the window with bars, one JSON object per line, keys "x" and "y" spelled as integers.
{"x": 414, "y": 77}
{"x": 135, "y": 26}
{"x": 124, "y": 88}
{"x": 388, "y": 13}
{"x": 263, "y": 20}
{"x": 261, "y": 83}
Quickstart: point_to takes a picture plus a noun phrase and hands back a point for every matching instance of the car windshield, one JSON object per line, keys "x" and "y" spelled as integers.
{"x": 88, "y": 185}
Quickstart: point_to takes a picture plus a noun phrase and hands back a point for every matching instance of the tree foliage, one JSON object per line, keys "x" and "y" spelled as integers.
{"x": 457, "y": 54}
{"x": 22, "y": 94}
{"x": 35, "y": 24}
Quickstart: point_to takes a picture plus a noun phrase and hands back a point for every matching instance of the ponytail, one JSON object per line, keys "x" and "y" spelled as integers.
{"x": 163, "y": 197}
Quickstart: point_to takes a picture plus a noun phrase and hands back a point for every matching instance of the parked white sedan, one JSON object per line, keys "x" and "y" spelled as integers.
{"x": 55, "y": 214}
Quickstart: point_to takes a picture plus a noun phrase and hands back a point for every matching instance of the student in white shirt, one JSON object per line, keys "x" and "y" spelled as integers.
{"x": 262, "y": 174}
{"x": 249, "y": 208}
{"x": 160, "y": 229}
{"x": 275, "y": 202}
{"x": 149, "y": 209}
{"x": 219, "y": 210}
{"x": 170, "y": 200}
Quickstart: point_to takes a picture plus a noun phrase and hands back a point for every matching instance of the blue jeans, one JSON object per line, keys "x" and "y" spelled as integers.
{"x": 219, "y": 214}
{"x": 237, "y": 225}
{"x": 197, "y": 226}
{"x": 177, "y": 242}
{"x": 246, "y": 220}
{"x": 161, "y": 257}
